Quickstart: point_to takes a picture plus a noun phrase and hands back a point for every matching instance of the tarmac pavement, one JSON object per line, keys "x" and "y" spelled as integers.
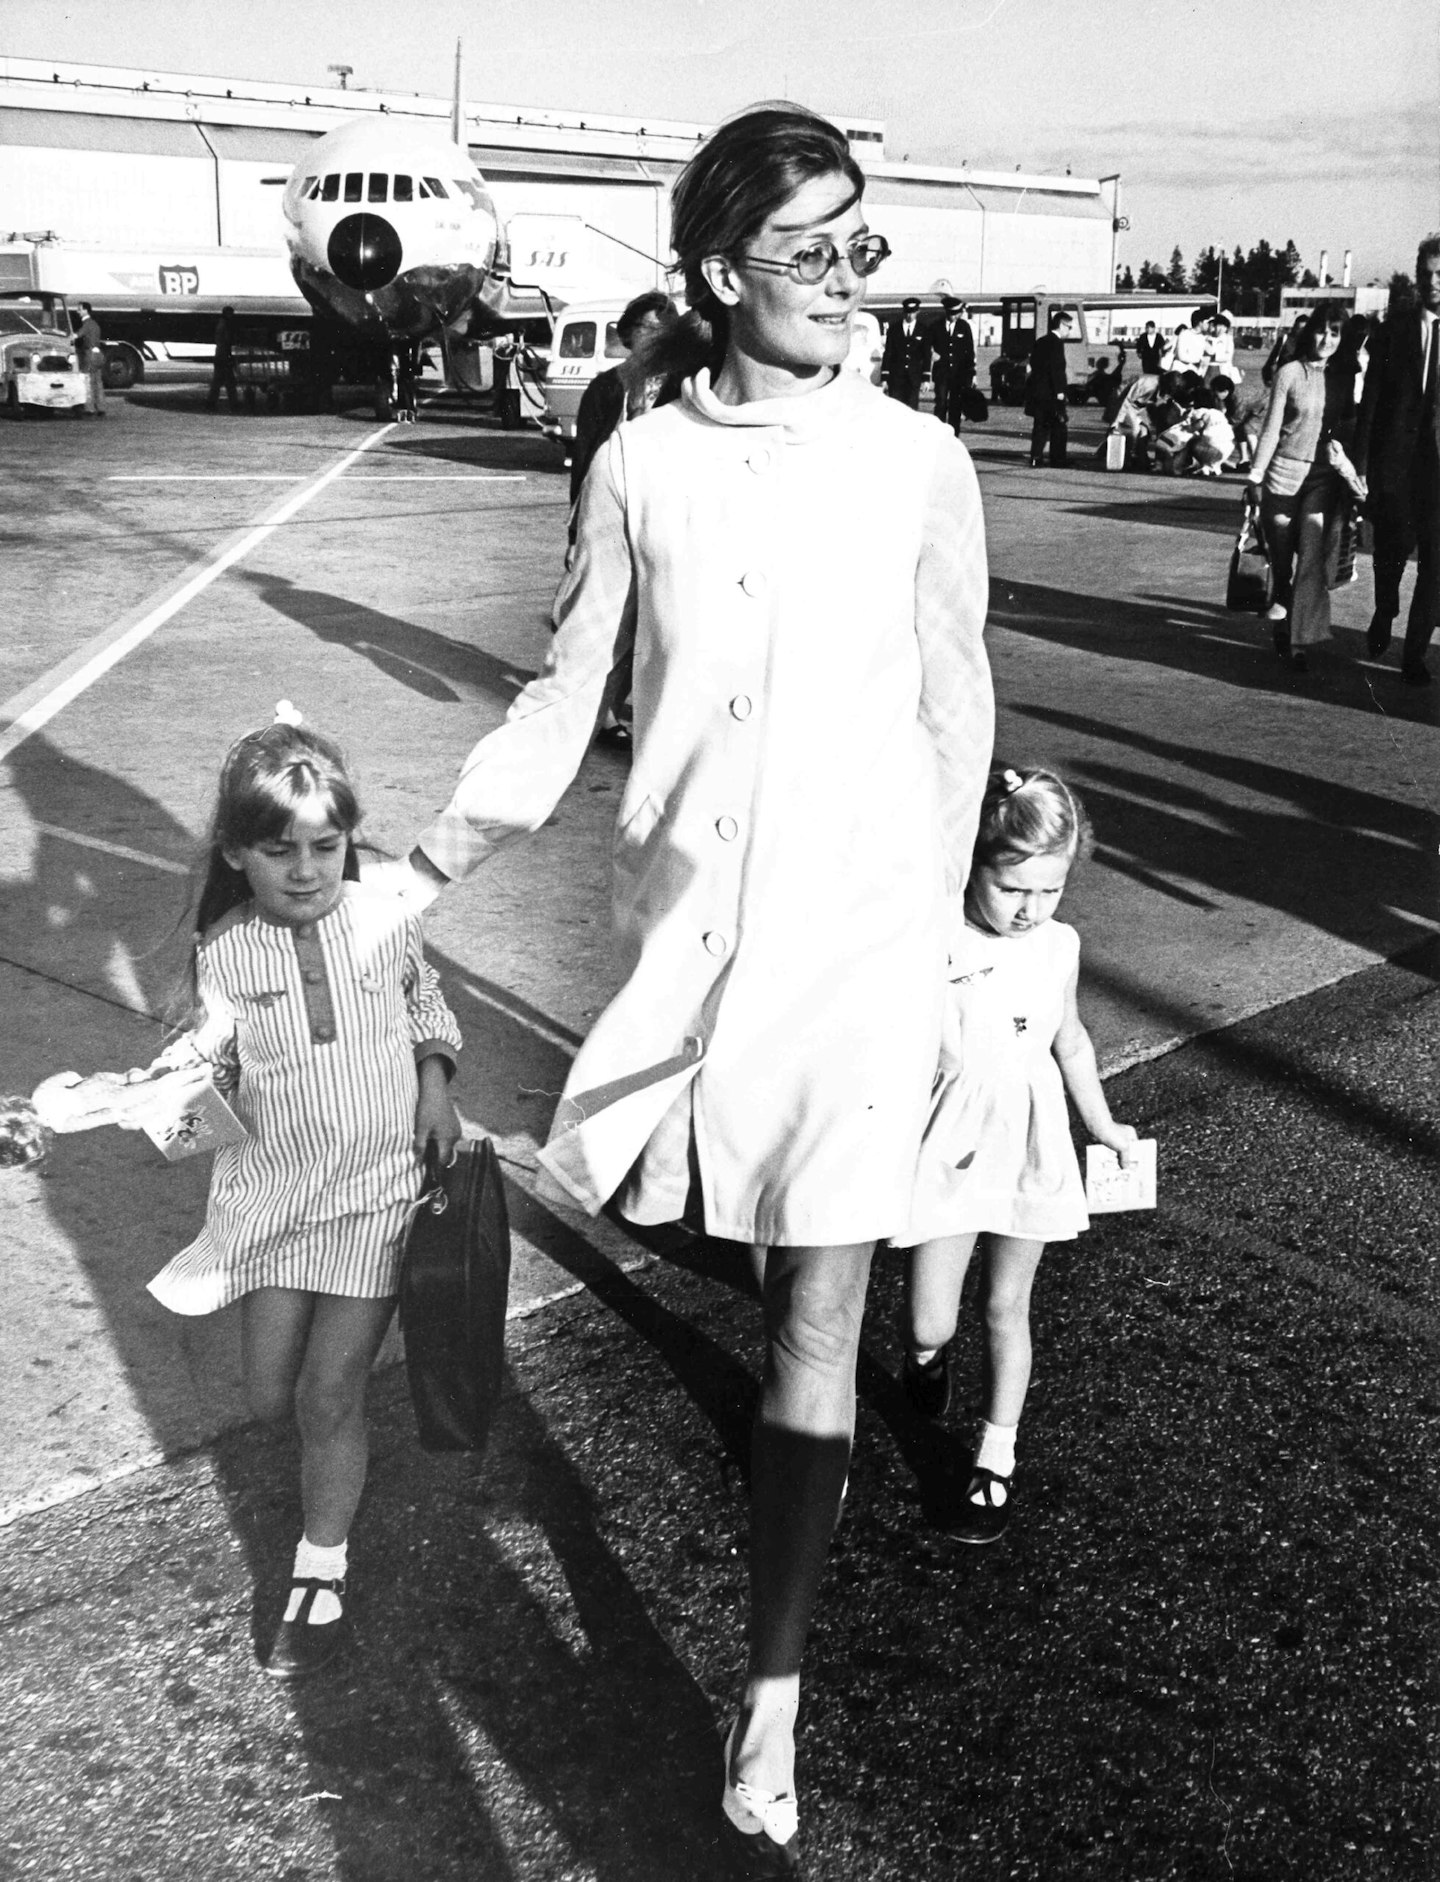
{"x": 1207, "y": 1647}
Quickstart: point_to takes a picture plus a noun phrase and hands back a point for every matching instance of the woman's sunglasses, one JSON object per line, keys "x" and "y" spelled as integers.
{"x": 811, "y": 265}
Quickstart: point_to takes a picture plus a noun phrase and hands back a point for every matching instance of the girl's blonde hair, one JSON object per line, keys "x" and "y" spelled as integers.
{"x": 1031, "y": 813}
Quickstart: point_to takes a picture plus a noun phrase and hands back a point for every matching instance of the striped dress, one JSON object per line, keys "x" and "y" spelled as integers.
{"x": 314, "y": 1033}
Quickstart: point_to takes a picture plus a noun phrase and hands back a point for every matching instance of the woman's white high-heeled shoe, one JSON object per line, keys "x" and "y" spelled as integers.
{"x": 765, "y": 1825}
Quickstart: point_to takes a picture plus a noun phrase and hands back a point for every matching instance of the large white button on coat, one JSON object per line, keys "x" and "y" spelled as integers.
{"x": 754, "y": 583}
{"x": 715, "y": 942}
{"x": 740, "y": 706}
{"x": 727, "y": 829}
{"x": 759, "y": 460}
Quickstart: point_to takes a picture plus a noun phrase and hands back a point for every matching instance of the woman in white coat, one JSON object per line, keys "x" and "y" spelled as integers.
{"x": 793, "y": 567}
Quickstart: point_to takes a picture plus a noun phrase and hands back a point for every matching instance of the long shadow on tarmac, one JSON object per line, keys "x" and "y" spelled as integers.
{"x": 430, "y": 664}
{"x": 1205, "y": 639}
{"x": 1349, "y": 861}
{"x": 468, "y": 1666}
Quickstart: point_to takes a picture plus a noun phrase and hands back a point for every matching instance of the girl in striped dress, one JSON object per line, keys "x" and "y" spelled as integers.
{"x": 326, "y": 1030}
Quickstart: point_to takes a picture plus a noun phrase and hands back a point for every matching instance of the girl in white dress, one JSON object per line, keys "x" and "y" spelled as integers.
{"x": 998, "y": 1161}
{"x": 327, "y": 1032}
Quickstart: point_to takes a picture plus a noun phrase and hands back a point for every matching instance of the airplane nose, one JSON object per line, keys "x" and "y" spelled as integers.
{"x": 364, "y": 252}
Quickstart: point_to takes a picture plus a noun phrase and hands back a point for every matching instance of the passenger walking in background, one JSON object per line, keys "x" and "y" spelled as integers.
{"x": 906, "y": 358}
{"x": 998, "y": 1165}
{"x": 1046, "y": 392}
{"x": 222, "y": 372}
{"x": 1397, "y": 448}
{"x": 90, "y": 351}
{"x": 952, "y": 347}
{"x": 1150, "y": 349}
{"x": 1293, "y": 478}
{"x": 794, "y": 568}
{"x": 623, "y": 391}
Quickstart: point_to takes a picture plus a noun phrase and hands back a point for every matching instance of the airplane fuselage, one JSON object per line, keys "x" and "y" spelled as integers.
{"x": 391, "y": 228}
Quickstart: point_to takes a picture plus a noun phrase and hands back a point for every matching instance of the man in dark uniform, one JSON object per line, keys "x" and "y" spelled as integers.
{"x": 906, "y": 356}
{"x": 1150, "y": 349}
{"x": 222, "y": 373}
{"x": 1397, "y": 447}
{"x": 952, "y": 343}
{"x": 1046, "y": 392}
{"x": 90, "y": 351}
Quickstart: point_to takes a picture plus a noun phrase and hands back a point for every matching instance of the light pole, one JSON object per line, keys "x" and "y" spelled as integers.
{"x": 1117, "y": 223}
{"x": 343, "y": 72}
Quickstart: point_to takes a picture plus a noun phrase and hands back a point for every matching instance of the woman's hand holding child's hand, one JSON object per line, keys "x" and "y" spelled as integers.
{"x": 436, "y": 1119}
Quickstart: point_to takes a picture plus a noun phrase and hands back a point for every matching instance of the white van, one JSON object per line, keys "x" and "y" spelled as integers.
{"x": 586, "y": 343}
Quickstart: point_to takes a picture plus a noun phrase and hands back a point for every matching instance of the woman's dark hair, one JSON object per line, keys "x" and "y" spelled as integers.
{"x": 264, "y": 780}
{"x": 1031, "y": 813}
{"x": 1324, "y": 317}
{"x": 657, "y": 301}
{"x": 734, "y": 183}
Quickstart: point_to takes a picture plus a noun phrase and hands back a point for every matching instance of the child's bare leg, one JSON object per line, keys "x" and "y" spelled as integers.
{"x": 1011, "y": 1266}
{"x": 274, "y": 1329}
{"x": 345, "y": 1336}
{"x": 937, "y": 1277}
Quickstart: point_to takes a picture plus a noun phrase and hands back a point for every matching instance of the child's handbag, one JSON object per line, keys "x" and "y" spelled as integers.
{"x": 454, "y": 1286}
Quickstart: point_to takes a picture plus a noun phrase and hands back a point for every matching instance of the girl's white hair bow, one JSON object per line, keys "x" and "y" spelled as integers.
{"x": 287, "y": 714}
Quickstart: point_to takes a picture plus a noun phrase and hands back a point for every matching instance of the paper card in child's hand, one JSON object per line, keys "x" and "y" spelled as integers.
{"x": 1111, "y": 1184}
{"x": 203, "y": 1123}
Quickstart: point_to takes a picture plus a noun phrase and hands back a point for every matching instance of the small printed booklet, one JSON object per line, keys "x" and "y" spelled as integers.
{"x": 1111, "y": 1185}
{"x": 202, "y": 1124}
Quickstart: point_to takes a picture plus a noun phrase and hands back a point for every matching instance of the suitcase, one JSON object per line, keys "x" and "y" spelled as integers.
{"x": 1114, "y": 451}
{"x": 454, "y": 1287}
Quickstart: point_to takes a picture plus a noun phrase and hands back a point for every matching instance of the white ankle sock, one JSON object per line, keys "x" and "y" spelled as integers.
{"x": 925, "y": 1355}
{"x": 313, "y": 1563}
{"x": 995, "y": 1448}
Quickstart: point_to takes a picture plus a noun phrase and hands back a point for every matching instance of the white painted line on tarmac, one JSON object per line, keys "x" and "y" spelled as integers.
{"x": 113, "y": 849}
{"x": 50, "y": 694}
{"x": 197, "y": 477}
{"x": 438, "y": 477}
{"x": 295, "y": 477}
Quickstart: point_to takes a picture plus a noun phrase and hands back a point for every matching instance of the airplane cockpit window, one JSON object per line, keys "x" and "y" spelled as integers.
{"x": 330, "y": 192}
{"x": 578, "y": 340}
{"x": 379, "y": 188}
{"x": 435, "y": 186}
{"x": 403, "y": 192}
{"x": 354, "y": 184}
{"x": 615, "y": 347}
{"x": 309, "y": 187}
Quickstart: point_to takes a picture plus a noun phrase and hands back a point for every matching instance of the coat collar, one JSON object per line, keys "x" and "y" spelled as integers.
{"x": 807, "y": 415}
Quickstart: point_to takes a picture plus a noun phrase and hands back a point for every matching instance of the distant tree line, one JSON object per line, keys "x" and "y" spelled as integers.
{"x": 1247, "y": 284}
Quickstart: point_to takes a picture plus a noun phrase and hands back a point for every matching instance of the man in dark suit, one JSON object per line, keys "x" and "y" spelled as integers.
{"x": 906, "y": 357}
{"x": 1046, "y": 393}
{"x": 1397, "y": 447}
{"x": 952, "y": 346}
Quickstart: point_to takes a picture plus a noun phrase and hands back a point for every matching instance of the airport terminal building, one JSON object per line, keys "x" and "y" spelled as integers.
{"x": 139, "y": 186}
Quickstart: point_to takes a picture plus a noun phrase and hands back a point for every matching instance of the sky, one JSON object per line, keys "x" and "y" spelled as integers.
{"x": 1316, "y": 121}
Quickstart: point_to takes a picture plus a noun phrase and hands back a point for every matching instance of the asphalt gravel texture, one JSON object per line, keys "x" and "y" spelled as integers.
{"x": 1206, "y": 1647}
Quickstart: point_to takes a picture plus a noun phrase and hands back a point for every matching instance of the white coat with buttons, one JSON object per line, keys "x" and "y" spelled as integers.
{"x": 798, "y": 588}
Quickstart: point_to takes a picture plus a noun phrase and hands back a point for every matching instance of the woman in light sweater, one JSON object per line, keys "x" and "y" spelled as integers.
{"x": 1297, "y": 486}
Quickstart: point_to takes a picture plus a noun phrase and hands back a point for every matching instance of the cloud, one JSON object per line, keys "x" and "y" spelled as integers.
{"x": 1295, "y": 148}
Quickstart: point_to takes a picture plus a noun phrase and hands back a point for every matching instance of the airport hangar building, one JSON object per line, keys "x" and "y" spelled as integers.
{"x": 140, "y": 189}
